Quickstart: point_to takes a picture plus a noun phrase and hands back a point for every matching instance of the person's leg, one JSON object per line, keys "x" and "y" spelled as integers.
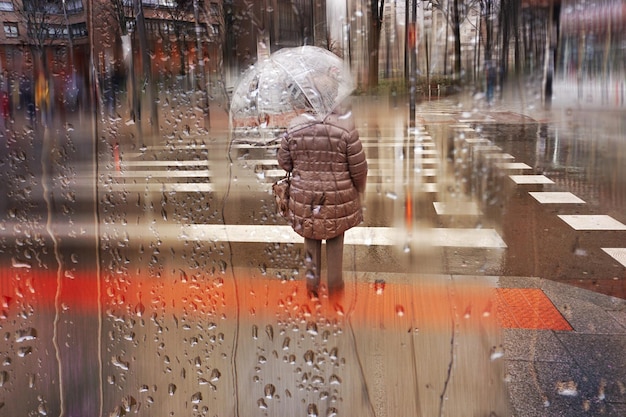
{"x": 334, "y": 259}
{"x": 312, "y": 262}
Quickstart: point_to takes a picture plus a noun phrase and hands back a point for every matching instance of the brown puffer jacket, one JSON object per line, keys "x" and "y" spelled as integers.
{"x": 329, "y": 172}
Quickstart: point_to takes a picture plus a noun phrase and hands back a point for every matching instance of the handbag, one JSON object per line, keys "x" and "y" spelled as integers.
{"x": 280, "y": 189}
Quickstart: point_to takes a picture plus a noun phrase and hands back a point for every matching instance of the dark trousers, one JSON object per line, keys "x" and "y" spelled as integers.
{"x": 334, "y": 260}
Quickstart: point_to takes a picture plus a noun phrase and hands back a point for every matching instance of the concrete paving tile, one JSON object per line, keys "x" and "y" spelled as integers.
{"x": 608, "y": 303}
{"x": 534, "y": 345}
{"x": 527, "y": 401}
{"x": 585, "y": 317}
{"x": 618, "y": 316}
{"x": 570, "y": 389}
{"x": 519, "y": 282}
{"x": 617, "y": 410}
{"x": 551, "y": 389}
{"x": 602, "y": 357}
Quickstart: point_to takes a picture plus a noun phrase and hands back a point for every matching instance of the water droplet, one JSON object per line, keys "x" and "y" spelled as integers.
{"x": 140, "y": 309}
{"x": 391, "y": 195}
{"x": 261, "y": 403}
{"x": 255, "y": 332}
{"x": 379, "y": 286}
{"x": 4, "y": 377}
{"x": 128, "y": 402}
{"x": 26, "y": 334}
{"x": 399, "y": 311}
{"x": 286, "y": 342}
{"x": 567, "y": 388}
{"x": 309, "y": 356}
{"x": 269, "y": 330}
{"x": 269, "y": 391}
{"x": 334, "y": 380}
{"x": 601, "y": 390}
{"x": 19, "y": 264}
{"x": 317, "y": 380}
{"x": 171, "y": 389}
{"x": 334, "y": 353}
{"x": 215, "y": 375}
{"x": 196, "y": 398}
{"x": 311, "y": 327}
{"x": 339, "y": 309}
{"x": 311, "y": 410}
{"x": 24, "y": 351}
{"x": 497, "y": 352}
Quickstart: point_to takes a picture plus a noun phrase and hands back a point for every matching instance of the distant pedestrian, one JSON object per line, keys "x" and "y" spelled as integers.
{"x": 328, "y": 177}
{"x": 42, "y": 97}
{"x": 5, "y": 102}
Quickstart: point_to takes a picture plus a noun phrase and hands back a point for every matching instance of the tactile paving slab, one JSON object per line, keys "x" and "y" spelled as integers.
{"x": 528, "y": 308}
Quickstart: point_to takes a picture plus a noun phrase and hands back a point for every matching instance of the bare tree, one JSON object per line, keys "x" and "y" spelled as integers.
{"x": 376, "y": 25}
{"x": 180, "y": 16}
{"x": 44, "y": 26}
{"x": 455, "y": 14}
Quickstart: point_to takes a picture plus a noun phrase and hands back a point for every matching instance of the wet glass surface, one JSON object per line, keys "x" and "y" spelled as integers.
{"x": 145, "y": 270}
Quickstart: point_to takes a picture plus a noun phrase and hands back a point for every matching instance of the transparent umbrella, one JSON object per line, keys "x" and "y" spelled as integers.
{"x": 275, "y": 89}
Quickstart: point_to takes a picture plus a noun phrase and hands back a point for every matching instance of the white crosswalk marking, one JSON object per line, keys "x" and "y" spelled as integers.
{"x": 146, "y": 171}
{"x": 368, "y": 236}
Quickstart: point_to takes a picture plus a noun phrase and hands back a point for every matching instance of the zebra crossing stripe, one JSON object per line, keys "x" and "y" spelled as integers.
{"x": 368, "y": 236}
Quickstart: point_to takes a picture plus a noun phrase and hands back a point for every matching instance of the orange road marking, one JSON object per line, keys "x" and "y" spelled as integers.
{"x": 420, "y": 303}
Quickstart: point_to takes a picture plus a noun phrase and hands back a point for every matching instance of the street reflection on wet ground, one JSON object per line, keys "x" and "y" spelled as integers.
{"x": 150, "y": 313}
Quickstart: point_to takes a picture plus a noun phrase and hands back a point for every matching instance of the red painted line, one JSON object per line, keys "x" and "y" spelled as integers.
{"x": 422, "y": 303}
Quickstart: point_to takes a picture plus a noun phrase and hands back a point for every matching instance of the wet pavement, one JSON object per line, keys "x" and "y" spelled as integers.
{"x": 478, "y": 284}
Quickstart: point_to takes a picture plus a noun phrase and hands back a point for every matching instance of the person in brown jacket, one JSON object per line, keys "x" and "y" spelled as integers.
{"x": 328, "y": 177}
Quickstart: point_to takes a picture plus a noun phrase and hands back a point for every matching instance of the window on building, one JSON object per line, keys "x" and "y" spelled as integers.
{"x": 159, "y": 3}
{"x": 6, "y": 6}
{"x": 214, "y": 9}
{"x": 288, "y": 28}
{"x": 74, "y": 6}
{"x": 79, "y": 30}
{"x": 11, "y": 30}
{"x": 48, "y": 7}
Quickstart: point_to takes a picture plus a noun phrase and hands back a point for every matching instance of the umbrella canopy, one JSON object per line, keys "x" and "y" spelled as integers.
{"x": 289, "y": 81}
